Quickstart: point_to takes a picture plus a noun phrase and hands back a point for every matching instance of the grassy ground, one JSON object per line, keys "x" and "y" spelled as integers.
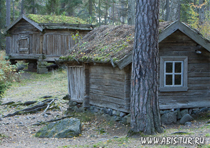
{"x": 34, "y": 86}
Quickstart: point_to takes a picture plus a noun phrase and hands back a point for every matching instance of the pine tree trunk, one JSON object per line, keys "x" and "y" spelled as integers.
{"x": 201, "y": 12}
{"x": 113, "y": 12}
{"x": 167, "y": 10}
{"x": 22, "y": 6}
{"x": 90, "y": 7}
{"x": 13, "y": 10}
{"x": 131, "y": 12}
{"x": 106, "y": 14}
{"x": 145, "y": 116}
{"x": 173, "y": 15}
{"x": 33, "y": 7}
{"x": 99, "y": 12}
{"x": 7, "y": 24}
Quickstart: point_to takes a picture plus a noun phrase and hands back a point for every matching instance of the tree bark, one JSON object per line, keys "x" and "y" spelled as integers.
{"x": 131, "y": 12}
{"x": 201, "y": 12}
{"x": 99, "y": 11}
{"x": 145, "y": 116}
{"x": 167, "y": 10}
{"x": 174, "y": 12}
{"x": 7, "y": 24}
{"x": 33, "y": 11}
{"x": 90, "y": 7}
{"x": 13, "y": 10}
{"x": 22, "y": 6}
{"x": 113, "y": 12}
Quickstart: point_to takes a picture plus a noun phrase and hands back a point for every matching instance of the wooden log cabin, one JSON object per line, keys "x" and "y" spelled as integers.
{"x": 99, "y": 67}
{"x": 45, "y": 37}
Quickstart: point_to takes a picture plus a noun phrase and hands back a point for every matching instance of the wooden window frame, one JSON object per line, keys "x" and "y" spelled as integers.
{"x": 184, "y": 71}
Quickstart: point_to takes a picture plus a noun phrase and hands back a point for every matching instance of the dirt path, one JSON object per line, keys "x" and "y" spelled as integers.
{"x": 18, "y": 131}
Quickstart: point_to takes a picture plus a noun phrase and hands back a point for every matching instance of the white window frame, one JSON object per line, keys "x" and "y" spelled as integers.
{"x": 173, "y": 73}
{"x": 184, "y": 70}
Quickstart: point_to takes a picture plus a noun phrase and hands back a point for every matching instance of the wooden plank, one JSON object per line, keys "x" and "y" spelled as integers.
{"x": 106, "y": 83}
{"x": 77, "y": 83}
{"x": 24, "y": 56}
{"x": 196, "y": 87}
{"x": 168, "y": 102}
{"x": 187, "y": 93}
{"x": 199, "y": 80}
{"x": 198, "y": 67}
{"x": 105, "y": 70}
{"x": 117, "y": 77}
{"x": 107, "y": 102}
{"x": 199, "y": 74}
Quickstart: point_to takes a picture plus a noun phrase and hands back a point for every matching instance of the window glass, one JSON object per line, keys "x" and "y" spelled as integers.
{"x": 178, "y": 79}
{"x": 178, "y": 67}
{"x": 169, "y": 67}
{"x": 168, "y": 79}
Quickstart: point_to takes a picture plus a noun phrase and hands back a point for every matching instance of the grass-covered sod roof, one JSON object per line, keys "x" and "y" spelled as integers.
{"x": 55, "y": 19}
{"x": 105, "y": 44}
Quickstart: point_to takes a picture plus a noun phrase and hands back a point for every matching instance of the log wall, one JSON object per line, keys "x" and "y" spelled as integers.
{"x": 198, "y": 93}
{"x": 108, "y": 87}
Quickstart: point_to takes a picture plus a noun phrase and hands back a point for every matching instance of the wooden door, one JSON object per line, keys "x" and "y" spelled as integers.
{"x": 76, "y": 82}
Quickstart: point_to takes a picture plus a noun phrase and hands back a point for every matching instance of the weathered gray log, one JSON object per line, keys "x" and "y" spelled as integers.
{"x": 44, "y": 104}
{"x": 53, "y": 120}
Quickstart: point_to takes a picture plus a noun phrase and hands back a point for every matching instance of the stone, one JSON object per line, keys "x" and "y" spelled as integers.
{"x": 205, "y": 109}
{"x": 122, "y": 114}
{"x": 109, "y": 112}
{"x": 67, "y": 97}
{"x": 105, "y": 111}
{"x": 1, "y": 119}
{"x": 186, "y": 118}
{"x": 66, "y": 128}
{"x": 169, "y": 118}
{"x": 74, "y": 103}
{"x": 179, "y": 116}
{"x": 42, "y": 70}
{"x": 195, "y": 110}
{"x": 184, "y": 112}
{"x": 86, "y": 102}
{"x": 114, "y": 112}
{"x": 95, "y": 110}
{"x": 188, "y": 124}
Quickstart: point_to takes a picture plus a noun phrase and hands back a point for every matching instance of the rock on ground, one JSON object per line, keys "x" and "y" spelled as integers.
{"x": 186, "y": 118}
{"x": 169, "y": 118}
{"x": 66, "y": 128}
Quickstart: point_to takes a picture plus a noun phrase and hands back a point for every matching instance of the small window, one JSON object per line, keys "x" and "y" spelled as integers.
{"x": 173, "y": 73}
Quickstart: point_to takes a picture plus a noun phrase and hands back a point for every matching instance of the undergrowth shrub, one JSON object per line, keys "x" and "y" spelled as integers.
{"x": 8, "y": 73}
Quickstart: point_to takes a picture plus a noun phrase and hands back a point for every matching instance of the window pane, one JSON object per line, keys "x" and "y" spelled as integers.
{"x": 169, "y": 67}
{"x": 168, "y": 79}
{"x": 178, "y": 79}
{"x": 178, "y": 67}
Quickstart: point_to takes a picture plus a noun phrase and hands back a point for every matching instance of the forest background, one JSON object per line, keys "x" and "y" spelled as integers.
{"x": 110, "y": 12}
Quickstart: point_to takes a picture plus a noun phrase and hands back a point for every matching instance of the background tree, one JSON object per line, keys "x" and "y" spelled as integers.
{"x": 2, "y": 23}
{"x": 7, "y": 24}
{"x": 145, "y": 116}
{"x": 53, "y": 7}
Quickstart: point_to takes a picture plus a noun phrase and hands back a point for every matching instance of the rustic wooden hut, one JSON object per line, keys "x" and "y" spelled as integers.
{"x": 45, "y": 37}
{"x": 99, "y": 67}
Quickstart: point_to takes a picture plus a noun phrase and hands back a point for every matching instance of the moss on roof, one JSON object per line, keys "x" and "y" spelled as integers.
{"x": 105, "y": 44}
{"x": 55, "y": 19}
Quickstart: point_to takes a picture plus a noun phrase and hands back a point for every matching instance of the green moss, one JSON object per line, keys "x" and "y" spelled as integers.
{"x": 55, "y": 19}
